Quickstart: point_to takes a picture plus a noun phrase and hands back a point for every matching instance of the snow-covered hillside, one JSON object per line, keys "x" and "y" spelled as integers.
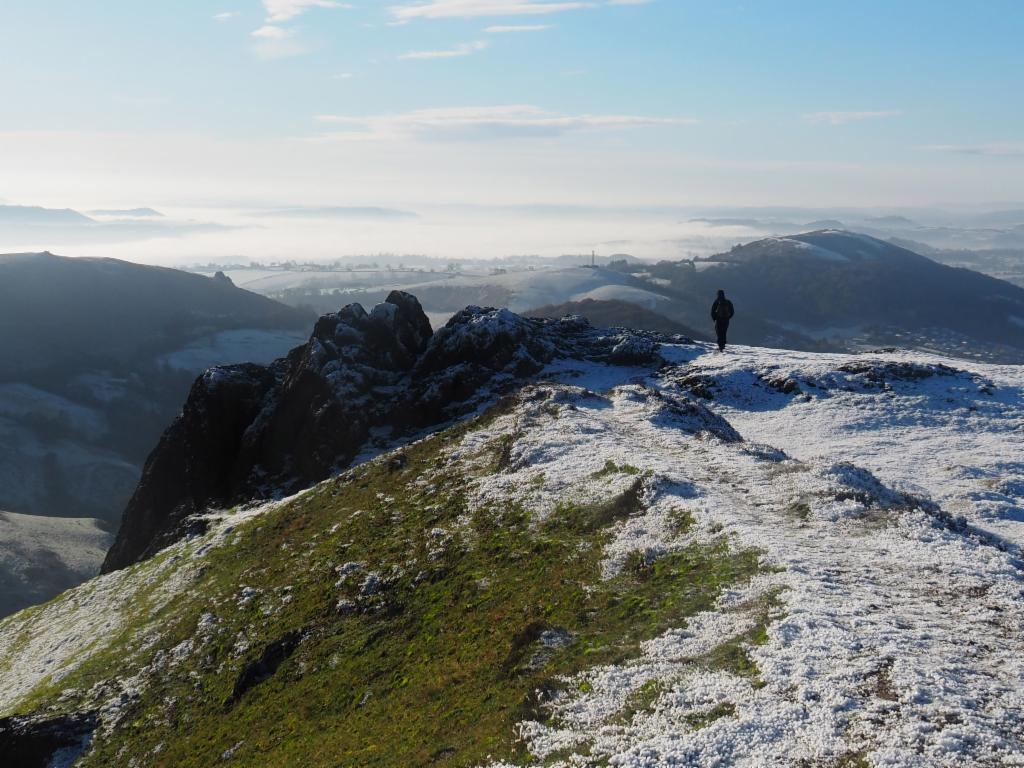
{"x": 757, "y": 558}
{"x": 42, "y": 556}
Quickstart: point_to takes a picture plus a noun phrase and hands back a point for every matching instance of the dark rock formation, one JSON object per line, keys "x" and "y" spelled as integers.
{"x": 252, "y": 432}
{"x": 31, "y": 743}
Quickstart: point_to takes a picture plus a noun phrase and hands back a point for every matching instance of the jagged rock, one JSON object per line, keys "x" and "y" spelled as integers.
{"x": 249, "y": 432}
{"x": 634, "y": 350}
{"x": 196, "y": 461}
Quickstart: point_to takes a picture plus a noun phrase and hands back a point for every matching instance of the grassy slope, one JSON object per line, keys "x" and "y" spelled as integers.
{"x": 435, "y": 666}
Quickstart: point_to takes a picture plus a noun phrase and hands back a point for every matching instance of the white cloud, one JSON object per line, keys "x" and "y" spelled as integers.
{"x": 285, "y": 10}
{"x": 504, "y": 29}
{"x": 992, "y": 149}
{"x": 270, "y": 32}
{"x": 226, "y": 16}
{"x": 343, "y": 76}
{"x": 274, "y": 42}
{"x": 463, "y": 49}
{"x": 477, "y": 123}
{"x": 841, "y": 118}
{"x": 449, "y": 9}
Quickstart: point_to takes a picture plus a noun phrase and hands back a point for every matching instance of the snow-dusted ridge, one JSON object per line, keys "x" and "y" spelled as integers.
{"x": 884, "y": 491}
{"x": 898, "y": 636}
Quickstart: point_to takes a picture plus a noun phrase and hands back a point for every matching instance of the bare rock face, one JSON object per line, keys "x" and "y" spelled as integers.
{"x": 251, "y": 432}
{"x": 196, "y": 461}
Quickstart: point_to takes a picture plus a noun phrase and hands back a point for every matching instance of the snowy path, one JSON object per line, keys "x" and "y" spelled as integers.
{"x": 900, "y": 640}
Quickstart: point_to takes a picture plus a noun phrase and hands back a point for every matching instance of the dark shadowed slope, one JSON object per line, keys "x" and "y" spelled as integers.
{"x": 55, "y": 309}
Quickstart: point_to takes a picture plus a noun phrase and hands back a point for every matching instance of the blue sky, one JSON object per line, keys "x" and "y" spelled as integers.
{"x": 604, "y": 102}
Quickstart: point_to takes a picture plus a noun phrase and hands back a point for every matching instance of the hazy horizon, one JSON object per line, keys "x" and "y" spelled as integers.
{"x": 505, "y": 126}
{"x": 489, "y": 118}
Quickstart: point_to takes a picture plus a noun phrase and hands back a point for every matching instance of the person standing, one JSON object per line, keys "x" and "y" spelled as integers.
{"x": 721, "y": 313}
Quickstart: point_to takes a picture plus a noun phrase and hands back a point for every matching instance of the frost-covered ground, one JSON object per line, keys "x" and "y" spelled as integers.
{"x": 885, "y": 491}
{"x": 957, "y": 438}
{"x": 890, "y": 496}
{"x": 49, "y": 642}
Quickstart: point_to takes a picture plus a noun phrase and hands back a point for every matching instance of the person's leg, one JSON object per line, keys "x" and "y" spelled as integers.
{"x": 720, "y": 329}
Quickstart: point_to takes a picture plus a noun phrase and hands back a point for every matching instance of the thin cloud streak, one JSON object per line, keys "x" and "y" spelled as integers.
{"x": 992, "y": 149}
{"x": 512, "y": 28}
{"x": 463, "y": 49}
{"x": 842, "y": 118}
{"x": 272, "y": 42}
{"x": 286, "y": 10}
{"x": 482, "y": 123}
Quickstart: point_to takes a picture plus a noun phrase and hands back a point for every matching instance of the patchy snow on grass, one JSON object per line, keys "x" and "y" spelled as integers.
{"x": 44, "y": 644}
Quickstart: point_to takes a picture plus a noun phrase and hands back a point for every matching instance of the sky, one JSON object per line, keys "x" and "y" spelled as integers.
{"x": 211, "y": 110}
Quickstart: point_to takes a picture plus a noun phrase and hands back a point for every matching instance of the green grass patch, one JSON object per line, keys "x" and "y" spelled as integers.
{"x": 470, "y": 621}
{"x": 704, "y": 719}
{"x": 611, "y": 468}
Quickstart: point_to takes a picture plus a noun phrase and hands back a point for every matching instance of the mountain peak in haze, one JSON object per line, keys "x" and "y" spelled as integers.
{"x": 34, "y": 215}
{"x": 131, "y": 213}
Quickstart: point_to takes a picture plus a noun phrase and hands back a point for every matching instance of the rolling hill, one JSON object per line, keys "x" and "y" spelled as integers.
{"x": 56, "y": 310}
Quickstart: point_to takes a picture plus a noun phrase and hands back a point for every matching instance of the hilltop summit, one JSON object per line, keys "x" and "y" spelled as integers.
{"x": 828, "y": 244}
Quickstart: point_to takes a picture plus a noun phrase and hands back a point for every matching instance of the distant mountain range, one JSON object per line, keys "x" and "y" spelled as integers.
{"x": 827, "y": 290}
{"x": 33, "y": 226}
{"x": 32, "y": 215}
{"x": 133, "y": 213}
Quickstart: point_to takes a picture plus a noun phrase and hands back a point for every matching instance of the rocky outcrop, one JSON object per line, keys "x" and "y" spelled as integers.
{"x": 253, "y": 432}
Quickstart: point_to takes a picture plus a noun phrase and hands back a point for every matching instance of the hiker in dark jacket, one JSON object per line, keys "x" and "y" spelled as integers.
{"x": 722, "y": 312}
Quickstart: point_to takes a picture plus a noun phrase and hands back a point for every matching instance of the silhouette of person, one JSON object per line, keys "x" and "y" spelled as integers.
{"x": 722, "y": 312}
